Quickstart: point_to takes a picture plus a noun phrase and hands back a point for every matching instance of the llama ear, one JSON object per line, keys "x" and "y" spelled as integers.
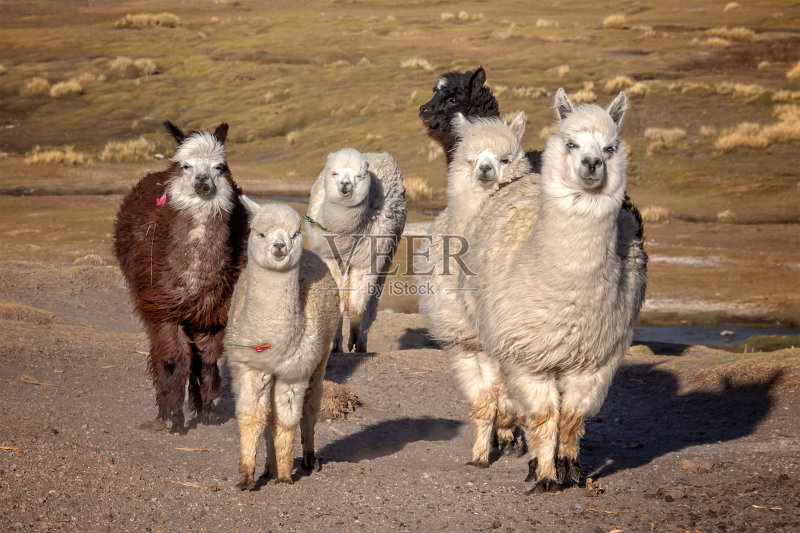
{"x": 221, "y": 133}
{"x": 174, "y": 131}
{"x": 478, "y": 79}
{"x": 459, "y": 123}
{"x": 518, "y": 125}
{"x": 563, "y": 105}
{"x": 618, "y": 107}
{"x": 250, "y": 205}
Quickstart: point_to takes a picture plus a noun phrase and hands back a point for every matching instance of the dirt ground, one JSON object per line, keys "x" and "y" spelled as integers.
{"x": 707, "y": 441}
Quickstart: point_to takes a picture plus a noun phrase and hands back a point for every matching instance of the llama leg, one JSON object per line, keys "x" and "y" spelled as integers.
{"x": 287, "y": 404}
{"x": 170, "y": 356}
{"x": 480, "y": 383}
{"x": 311, "y": 405}
{"x": 359, "y": 297}
{"x": 340, "y": 278}
{"x": 252, "y": 393}
{"x": 539, "y": 400}
{"x": 510, "y": 438}
{"x": 209, "y": 348}
{"x": 582, "y": 395}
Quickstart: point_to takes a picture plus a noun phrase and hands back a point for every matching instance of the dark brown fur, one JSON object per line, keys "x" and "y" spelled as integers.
{"x": 186, "y": 329}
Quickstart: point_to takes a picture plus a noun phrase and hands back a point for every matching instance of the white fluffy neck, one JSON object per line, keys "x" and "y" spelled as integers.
{"x": 273, "y": 306}
{"x": 341, "y": 219}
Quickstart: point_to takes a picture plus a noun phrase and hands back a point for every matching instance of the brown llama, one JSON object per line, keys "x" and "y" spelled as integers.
{"x": 181, "y": 240}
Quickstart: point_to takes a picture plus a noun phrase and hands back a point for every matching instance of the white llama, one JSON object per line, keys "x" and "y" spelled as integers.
{"x": 487, "y": 156}
{"x": 556, "y": 307}
{"x": 357, "y": 212}
{"x": 286, "y": 299}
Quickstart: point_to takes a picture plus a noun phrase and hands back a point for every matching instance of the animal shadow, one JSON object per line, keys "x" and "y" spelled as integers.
{"x": 388, "y": 437}
{"x": 416, "y": 338}
{"x": 645, "y": 416}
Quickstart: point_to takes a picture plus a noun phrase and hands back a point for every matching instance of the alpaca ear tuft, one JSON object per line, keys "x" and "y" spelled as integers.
{"x": 518, "y": 125}
{"x": 618, "y": 107}
{"x": 478, "y": 79}
{"x": 174, "y": 131}
{"x": 221, "y": 133}
{"x": 563, "y": 104}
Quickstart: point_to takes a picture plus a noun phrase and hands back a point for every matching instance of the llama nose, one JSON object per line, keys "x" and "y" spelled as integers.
{"x": 424, "y": 109}
{"x": 346, "y": 187}
{"x": 279, "y": 248}
{"x": 486, "y": 171}
{"x": 591, "y": 162}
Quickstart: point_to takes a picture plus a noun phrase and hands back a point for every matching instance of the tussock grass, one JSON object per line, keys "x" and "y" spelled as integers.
{"x": 447, "y": 17}
{"x": 227, "y": 2}
{"x": 35, "y": 85}
{"x": 617, "y": 84}
{"x": 125, "y": 66}
{"x": 417, "y": 189}
{"x": 463, "y": 16}
{"x": 545, "y": 23}
{"x": 139, "y": 20}
{"x": 614, "y": 21}
{"x": 560, "y": 71}
{"x": 500, "y": 89}
{"x": 128, "y": 151}
{"x": 737, "y": 34}
{"x": 434, "y": 151}
{"x": 65, "y": 88}
{"x": 730, "y": 6}
{"x": 417, "y": 62}
{"x": 530, "y": 92}
{"x": 56, "y": 156}
{"x": 755, "y": 135}
{"x": 584, "y": 96}
{"x": 785, "y": 95}
{"x": 726, "y": 216}
{"x": 663, "y": 138}
{"x": 339, "y": 63}
{"x": 2, "y": 70}
{"x": 654, "y": 213}
{"x": 692, "y": 88}
{"x": 711, "y": 42}
{"x": 292, "y": 137}
{"x": 764, "y": 65}
{"x": 794, "y": 72}
{"x": 748, "y": 90}
{"x": 708, "y": 131}
{"x": 547, "y": 131}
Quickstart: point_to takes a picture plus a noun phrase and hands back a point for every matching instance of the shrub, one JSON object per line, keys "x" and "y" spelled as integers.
{"x": 65, "y": 88}
{"x": 166, "y": 20}
{"x": 35, "y": 85}
{"x": 654, "y": 213}
{"x": 417, "y": 62}
{"x": 738, "y": 34}
{"x": 614, "y": 21}
{"x": 56, "y": 156}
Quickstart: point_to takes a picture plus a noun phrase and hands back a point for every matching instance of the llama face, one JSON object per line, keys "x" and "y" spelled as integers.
{"x": 201, "y": 186}
{"x": 275, "y": 242}
{"x": 457, "y": 92}
{"x": 587, "y": 138}
{"x": 347, "y": 179}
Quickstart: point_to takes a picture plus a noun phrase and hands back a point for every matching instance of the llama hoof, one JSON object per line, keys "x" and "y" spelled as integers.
{"x": 209, "y": 417}
{"x": 246, "y": 483}
{"x": 479, "y": 464}
{"x": 178, "y": 423}
{"x": 286, "y": 481}
{"x": 533, "y": 465}
{"x": 546, "y": 485}
{"x": 310, "y": 462}
{"x": 568, "y": 469}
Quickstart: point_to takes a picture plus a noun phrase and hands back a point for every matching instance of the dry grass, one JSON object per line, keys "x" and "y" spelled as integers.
{"x": 530, "y": 92}
{"x": 794, "y": 72}
{"x": 65, "y": 88}
{"x": 708, "y": 131}
{"x": 434, "y": 151}
{"x": 128, "y": 151}
{"x": 711, "y": 42}
{"x": 785, "y": 96}
{"x": 584, "y": 96}
{"x": 560, "y": 71}
{"x": 417, "y": 62}
{"x": 447, "y": 17}
{"x": 292, "y": 137}
{"x": 56, "y": 156}
{"x": 617, "y": 84}
{"x": 663, "y": 138}
{"x": 463, "y": 16}
{"x": 547, "y": 131}
{"x": 726, "y": 216}
{"x": 417, "y": 189}
{"x": 730, "y": 6}
{"x": 227, "y": 2}
{"x": 36, "y": 85}
{"x": 764, "y": 65}
{"x": 737, "y": 34}
{"x": 616, "y": 20}
{"x": 748, "y": 90}
{"x": 545, "y": 23}
{"x": 125, "y": 66}
{"x": 166, "y": 20}
{"x": 654, "y": 213}
{"x": 755, "y": 135}
{"x": 2, "y": 70}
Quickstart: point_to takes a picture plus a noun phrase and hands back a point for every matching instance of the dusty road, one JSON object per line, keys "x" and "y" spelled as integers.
{"x": 708, "y": 441}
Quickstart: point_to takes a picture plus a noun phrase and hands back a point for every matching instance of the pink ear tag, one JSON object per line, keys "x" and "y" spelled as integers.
{"x": 162, "y": 200}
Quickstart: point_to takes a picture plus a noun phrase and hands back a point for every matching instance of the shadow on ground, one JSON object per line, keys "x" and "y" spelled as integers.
{"x": 645, "y": 416}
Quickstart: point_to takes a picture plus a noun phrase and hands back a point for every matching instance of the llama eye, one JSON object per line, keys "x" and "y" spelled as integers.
{"x": 220, "y": 167}
{"x": 296, "y": 234}
{"x": 260, "y": 234}
{"x": 505, "y": 161}
{"x": 186, "y": 166}
{"x": 570, "y": 146}
{"x": 611, "y": 149}
{"x": 452, "y": 101}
